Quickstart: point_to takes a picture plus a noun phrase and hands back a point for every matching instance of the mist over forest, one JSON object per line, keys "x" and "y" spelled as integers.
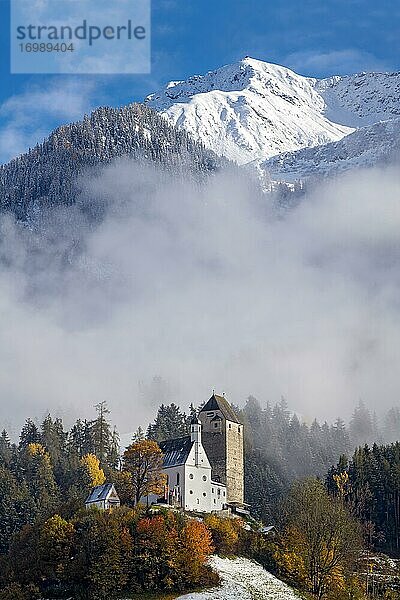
{"x": 206, "y": 286}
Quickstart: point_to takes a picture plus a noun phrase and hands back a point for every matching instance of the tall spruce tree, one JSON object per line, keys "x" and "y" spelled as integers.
{"x": 169, "y": 423}
{"x": 30, "y": 434}
{"x": 6, "y": 451}
{"x": 361, "y": 425}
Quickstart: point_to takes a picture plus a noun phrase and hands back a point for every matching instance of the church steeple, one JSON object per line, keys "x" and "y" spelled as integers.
{"x": 195, "y": 430}
{"x": 195, "y": 436}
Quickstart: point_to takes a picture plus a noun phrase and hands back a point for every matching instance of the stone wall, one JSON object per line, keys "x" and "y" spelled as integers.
{"x": 223, "y": 442}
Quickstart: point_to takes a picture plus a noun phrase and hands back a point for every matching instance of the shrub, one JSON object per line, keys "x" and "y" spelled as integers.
{"x": 15, "y": 591}
{"x": 225, "y": 533}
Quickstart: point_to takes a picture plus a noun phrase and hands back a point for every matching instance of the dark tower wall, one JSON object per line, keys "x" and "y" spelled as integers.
{"x": 222, "y": 436}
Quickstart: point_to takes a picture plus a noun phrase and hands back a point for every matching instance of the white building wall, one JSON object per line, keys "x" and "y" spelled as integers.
{"x": 198, "y": 488}
{"x": 99, "y": 504}
{"x": 218, "y": 496}
{"x": 197, "y": 492}
{"x": 176, "y": 482}
{"x": 201, "y": 493}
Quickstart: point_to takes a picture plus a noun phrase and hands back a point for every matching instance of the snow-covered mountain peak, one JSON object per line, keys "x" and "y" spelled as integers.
{"x": 229, "y": 78}
{"x": 254, "y": 110}
{"x": 248, "y": 74}
{"x": 249, "y": 110}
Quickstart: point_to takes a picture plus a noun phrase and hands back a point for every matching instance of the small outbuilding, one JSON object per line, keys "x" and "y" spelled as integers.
{"x": 103, "y": 497}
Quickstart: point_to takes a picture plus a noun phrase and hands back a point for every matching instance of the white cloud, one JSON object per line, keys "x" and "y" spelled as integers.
{"x": 334, "y": 62}
{"x": 26, "y": 118}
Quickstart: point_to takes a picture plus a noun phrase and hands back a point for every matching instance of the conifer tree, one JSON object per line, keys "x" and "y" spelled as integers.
{"x": 101, "y": 434}
{"x": 6, "y": 451}
{"x": 169, "y": 423}
{"x": 361, "y": 425}
{"x": 53, "y": 438}
{"x": 29, "y": 435}
{"x": 40, "y": 479}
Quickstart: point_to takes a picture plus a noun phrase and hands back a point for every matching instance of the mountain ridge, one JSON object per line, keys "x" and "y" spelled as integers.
{"x": 253, "y": 110}
{"x": 374, "y": 145}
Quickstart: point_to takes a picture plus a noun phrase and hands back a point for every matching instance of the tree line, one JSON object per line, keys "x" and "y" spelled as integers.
{"x": 101, "y": 554}
{"x": 370, "y": 486}
{"x": 323, "y": 514}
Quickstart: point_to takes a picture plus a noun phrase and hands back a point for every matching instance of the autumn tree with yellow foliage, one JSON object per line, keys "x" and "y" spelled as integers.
{"x": 320, "y": 540}
{"x": 144, "y": 460}
{"x": 92, "y": 473}
{"x": 225, "y": 533}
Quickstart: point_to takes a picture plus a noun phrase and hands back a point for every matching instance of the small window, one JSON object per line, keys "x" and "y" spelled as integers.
{"x": 216, "y": 425}
{"x": 218, "y": 492}
{"x": 215, "y": 501}
{"x": 190, "y": 491}
{"x": 230, "y": 426}
{"x": 212, "y": 490}
{"x": 198, "y": 501}
{"x": 238, "y": 429}
{"x": 204, "y": 478}
{"x": 224, "y": 493}
{"x": 177, "y": 478}
{"x": 191, "y": 476}
{"x": 204, "y": 494}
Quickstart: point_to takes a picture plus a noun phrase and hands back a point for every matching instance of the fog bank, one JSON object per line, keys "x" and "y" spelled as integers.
{"x": 205, "y": 287}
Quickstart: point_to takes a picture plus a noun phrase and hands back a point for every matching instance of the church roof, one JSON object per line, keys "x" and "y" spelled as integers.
{"x": 99, "y": 493}
{"x": 176, "y": 451}
{"x": 220, "y": 403}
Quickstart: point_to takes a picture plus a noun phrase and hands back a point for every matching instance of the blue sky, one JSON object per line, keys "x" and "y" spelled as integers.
{"x": 189, "y": 37}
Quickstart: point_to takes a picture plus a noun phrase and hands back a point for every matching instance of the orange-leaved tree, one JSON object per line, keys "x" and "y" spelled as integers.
{"x": 144, "y": 460}
{"x": 196, "y": 547}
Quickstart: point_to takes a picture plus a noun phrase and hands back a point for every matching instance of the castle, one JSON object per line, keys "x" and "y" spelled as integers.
{"x": 205, "y": 470}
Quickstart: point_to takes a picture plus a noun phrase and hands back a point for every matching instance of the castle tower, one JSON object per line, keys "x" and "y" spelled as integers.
{"x": 222, "y": 438}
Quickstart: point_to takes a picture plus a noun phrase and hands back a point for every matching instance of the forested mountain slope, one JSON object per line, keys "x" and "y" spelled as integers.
{"x": 47, "y": 175}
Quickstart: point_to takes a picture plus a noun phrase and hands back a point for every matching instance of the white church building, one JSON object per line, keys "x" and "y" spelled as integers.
{"x": 197, "y": 479}
{"x": 189, "y": 484}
